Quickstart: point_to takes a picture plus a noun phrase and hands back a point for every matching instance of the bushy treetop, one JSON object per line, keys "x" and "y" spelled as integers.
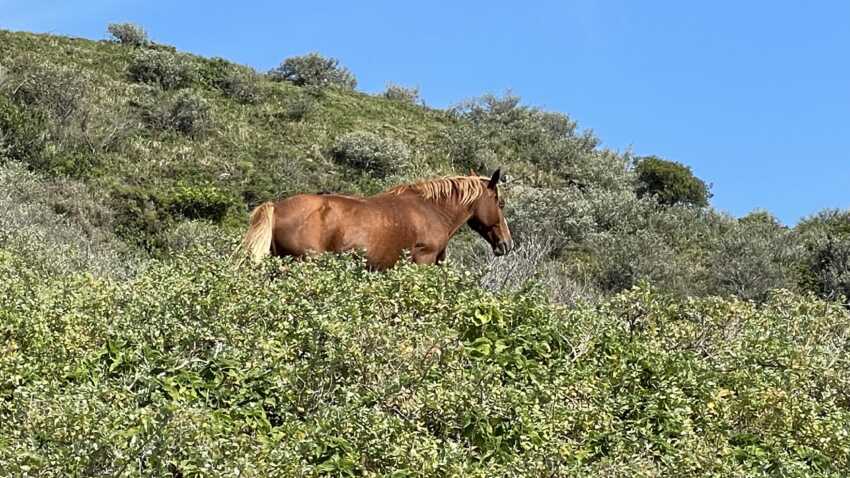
{"x": 670, "y": 182}
{"x": 314, "y": 69}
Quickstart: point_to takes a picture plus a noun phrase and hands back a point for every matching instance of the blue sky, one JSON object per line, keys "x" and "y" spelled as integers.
{"x": 754, "y": 96}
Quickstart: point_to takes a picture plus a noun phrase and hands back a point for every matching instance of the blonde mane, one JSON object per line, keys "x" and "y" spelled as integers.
{"x": 464, "y": 189}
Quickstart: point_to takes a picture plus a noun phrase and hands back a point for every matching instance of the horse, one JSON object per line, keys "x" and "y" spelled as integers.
{"x": 419, "y": 218}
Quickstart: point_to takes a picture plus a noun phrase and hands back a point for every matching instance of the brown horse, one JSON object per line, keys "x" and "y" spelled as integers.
{"x": 419, "y": 218}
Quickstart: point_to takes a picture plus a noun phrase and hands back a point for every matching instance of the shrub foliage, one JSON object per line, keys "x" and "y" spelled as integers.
{"x": 371, "y": 153}
{"x": 320, "y": 367}
{"x": 128, "y": 34}
{"x": 161, "y": 67}
{"x": 314, "y": 69}
{"x": 670, "y": 182}
{"x": 402, "y": 94}
{"x": 184, "y": 112}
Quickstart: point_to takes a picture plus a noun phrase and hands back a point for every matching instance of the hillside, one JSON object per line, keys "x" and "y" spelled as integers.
{"x": 635, "y": 331}
{"x": 151, "y": 146}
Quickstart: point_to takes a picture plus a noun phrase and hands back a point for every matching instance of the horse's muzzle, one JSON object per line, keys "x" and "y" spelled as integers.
{"x": 503, "y": 247}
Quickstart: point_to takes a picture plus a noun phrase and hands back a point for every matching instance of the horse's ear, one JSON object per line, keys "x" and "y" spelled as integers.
{"x": 494, "y": 179}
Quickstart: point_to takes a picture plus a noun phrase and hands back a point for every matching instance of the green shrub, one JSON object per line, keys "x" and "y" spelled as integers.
{"x": 761, "y": 216}
{"x": 371, "y": 153}
{"x": 198, "y": 366}
{"x": 49, "y": 120}
{"x": 670, "y": 182}
{"x": 756, "y": 256}
{"x": 314, "y": 70}
{"x": 168, "y": 70}
{"x": 833, "y": 222}
{"x": 234, "y": 81}
{"x": 142, "y": 215}
{"x": 185, "y": 112}
{"x": 825, "y": 265}
{"x": 128, "y": 34}
{"x": 242, "y": 86}
{"x": 468, "y": 148}
{"x": 55, "y": 89}
{"x": 548, "y": 141}
{"x": 201, "y": 202}
{"x": 60, "y": 226}
{"x": 187, "y": 236}
{"x": 624, "y": 260}
{"x": 402, "y": 94}
{"x": 299, "y": 107}
{"x": 21, "y": 132}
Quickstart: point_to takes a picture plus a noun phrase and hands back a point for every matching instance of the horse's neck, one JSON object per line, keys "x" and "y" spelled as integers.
{"x": 449, "y": 216}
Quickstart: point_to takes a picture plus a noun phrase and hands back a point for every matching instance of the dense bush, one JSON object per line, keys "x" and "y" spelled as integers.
{"x": 234, "y": 81}
{"x": 825, "y": 263}
{"x": 831, "y": 222}
{"x": 185, "y": 112}
{"x": 60, "y": 225}
{"x": 128, "y": 34}
{"x": 670, "y": 182}
{"x": 168, "y": 70}
{"x": 55, "y": 89}
{"x": 612, "y": 239}
{"x": 299, "y": 107}
{"x": 402, "y": 94}
{"x": 241, "y": 85}
{"x": 189, "y": 235}
{"x": 314, "y": 70}
{"x": 468, "y": 148}
{"x": 201, "y": 202}
{"x": 198, "y": 367}
{"x": 755, "y": 257}
{"x": 550, "y": 142}
{"x": 49, "y": 119}
{"x": 371, "y": 153}
{"x": 21, "y": 132}
{"x": 828, "y": 271}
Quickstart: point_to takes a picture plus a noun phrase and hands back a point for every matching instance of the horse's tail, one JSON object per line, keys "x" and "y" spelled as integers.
{"x": 258, "y": 239}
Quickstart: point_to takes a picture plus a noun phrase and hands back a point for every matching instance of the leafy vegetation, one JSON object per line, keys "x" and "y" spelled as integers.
{"x": 634, "y": 331}
{"x": 321, "y": 367}
{"x": 402, "y": 93}
{"x": 371, "y": 153}
{"x": 313, "y": 69}
{"x": 670, "y": 182}
{"x": 128, "y": 34}
{"x": 184, "y": 112}
{"x": 166, "y": 69}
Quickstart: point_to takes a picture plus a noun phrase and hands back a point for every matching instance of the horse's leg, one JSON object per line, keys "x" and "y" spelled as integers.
{"x": 441, "y": 256}
{"x": 425, "y": 256}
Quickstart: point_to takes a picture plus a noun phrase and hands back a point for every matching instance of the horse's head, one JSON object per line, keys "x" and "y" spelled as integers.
{"x": 488, "y": 220}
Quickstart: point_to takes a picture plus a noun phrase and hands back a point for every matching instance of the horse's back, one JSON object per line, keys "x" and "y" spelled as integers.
{"x": 308, "y": 223}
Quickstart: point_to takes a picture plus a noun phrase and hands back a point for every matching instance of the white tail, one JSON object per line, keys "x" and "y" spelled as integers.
{"x": 258, "y": 239}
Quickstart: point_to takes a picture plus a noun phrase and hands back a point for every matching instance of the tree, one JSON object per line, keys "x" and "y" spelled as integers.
{"x": 669, "y": 182}
{"x": 315, "y": 70}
